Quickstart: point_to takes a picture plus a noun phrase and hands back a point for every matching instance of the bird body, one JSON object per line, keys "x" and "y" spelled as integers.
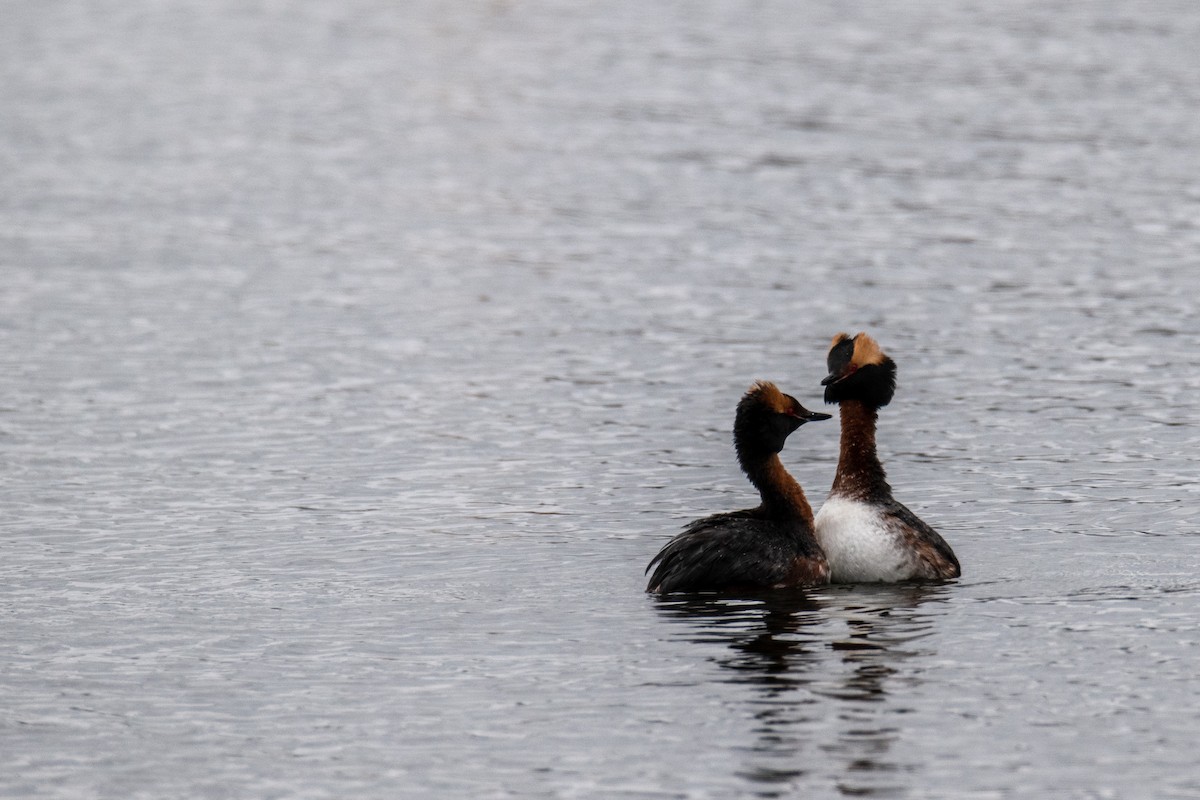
{"x": 767, "y": 547}
{"x": 866, "y": 535}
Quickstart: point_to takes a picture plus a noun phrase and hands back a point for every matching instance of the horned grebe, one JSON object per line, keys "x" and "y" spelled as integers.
{"x": 867, "y": 536}
{"x": 771, "y": 546}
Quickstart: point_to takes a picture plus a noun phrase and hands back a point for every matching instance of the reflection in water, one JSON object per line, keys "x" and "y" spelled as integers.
{"x": 828, "y": 678}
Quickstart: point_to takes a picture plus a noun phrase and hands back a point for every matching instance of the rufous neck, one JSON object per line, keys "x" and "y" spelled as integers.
{"x": 781, "y": 494}
{"x": 859, "y": 473}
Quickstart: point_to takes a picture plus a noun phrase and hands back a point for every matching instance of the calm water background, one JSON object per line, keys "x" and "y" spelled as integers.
{"x": 357, "y": 356}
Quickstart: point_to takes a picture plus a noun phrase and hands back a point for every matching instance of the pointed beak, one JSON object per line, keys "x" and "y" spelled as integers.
{"x": 834, "y": 377}
{"x": 811, "y": 416}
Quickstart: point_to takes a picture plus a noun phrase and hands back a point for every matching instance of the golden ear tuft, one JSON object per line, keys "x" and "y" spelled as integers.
{"x": 770, "y": 396}
{"x": 866, "y": 351}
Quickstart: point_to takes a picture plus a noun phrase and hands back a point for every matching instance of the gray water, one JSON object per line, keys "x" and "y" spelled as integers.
{"x": 357, "y": 356}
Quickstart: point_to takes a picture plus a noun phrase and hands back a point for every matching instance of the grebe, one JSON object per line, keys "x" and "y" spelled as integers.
{"x": 767, "y": 547}
{"x": 867, "y": 536}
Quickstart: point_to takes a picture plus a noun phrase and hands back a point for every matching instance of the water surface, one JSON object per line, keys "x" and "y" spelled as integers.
{"x": 357, "y": 357}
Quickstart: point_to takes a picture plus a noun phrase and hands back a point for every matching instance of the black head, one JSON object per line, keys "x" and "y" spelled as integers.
{"x": 859, "y": 370}
{"x": 766, "y": 417}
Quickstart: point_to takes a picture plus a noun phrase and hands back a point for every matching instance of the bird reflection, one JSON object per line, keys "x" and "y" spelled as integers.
{"x": 828, "y": 679}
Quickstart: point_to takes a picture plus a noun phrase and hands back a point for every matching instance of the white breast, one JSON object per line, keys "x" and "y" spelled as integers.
{"x": 861, "y": 543}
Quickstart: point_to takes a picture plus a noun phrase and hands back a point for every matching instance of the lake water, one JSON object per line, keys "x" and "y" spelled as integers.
{"x": 357, "y": 356}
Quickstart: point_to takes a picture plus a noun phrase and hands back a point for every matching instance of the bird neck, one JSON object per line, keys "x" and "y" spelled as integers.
{"x": 782, "y": 496}
{"x": 859, "y": 473}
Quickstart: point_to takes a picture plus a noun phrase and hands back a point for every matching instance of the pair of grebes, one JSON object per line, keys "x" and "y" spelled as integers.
{"x": 860, "y": 535}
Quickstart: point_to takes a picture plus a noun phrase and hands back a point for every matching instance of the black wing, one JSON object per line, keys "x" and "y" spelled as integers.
{"x": 726, "y": 551}
{"x": 936, "y": 554}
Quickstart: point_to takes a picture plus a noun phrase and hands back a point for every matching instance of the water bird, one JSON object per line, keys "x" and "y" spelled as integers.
{"x": 768, "y": 547}
{"x": 867, "y": 536}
